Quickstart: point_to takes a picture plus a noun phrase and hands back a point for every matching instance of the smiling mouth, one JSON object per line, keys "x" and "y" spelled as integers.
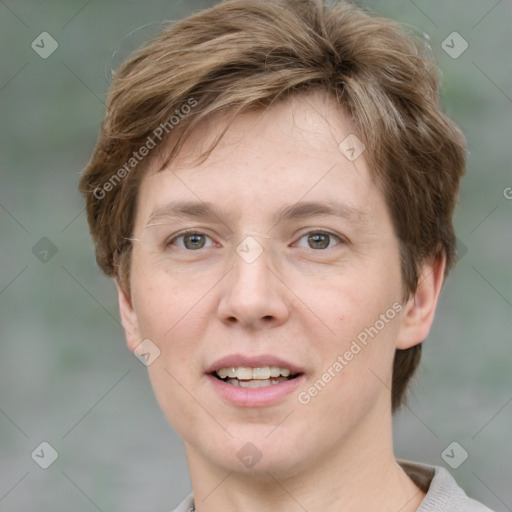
{"x": 246, "y": 377}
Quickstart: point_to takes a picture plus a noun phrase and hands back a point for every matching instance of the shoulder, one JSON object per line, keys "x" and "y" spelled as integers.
{"x": 187, "y": 505}
{"x": 443, "y": 494}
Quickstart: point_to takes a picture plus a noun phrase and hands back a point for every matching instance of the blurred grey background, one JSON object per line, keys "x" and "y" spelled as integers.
{"x": 66, "y": 377}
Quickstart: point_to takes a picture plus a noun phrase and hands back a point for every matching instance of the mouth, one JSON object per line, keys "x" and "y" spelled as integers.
{"x": 254, "y": 377}
{"x": 254, "y": 380}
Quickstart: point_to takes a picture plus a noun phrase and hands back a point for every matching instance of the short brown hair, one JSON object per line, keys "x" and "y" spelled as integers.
{"x": 246, "y": 54}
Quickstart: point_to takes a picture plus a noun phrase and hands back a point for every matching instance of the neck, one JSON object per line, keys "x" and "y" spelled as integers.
{"x": 356, "y": 475}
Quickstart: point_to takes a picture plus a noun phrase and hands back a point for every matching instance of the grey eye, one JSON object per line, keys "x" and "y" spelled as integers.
{"x": 319, "y": 240}
{"x": 192, "y": 241}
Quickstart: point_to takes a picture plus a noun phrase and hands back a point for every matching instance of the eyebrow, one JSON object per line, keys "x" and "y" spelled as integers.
{"x": 300, "y": 210}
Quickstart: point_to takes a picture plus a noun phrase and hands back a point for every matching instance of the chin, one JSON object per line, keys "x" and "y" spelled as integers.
{"x": 255, "y": 453}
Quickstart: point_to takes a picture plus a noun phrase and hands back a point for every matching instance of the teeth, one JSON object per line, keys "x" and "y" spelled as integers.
{"x": 261, "y": 373}
{"x": 275, "y": 371}
{"x": 227, "y": 372}
{"x": 261, "y": 383}
{"x": 244, "y": 373}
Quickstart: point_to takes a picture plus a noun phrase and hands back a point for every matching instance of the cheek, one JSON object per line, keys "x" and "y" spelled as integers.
{"x": 171, "y": 313}
{"x": 355, "y": 340}
{"x": 166, "y": 302}
{"x": 356, "y": 370}
{"x": 350, "y": 302}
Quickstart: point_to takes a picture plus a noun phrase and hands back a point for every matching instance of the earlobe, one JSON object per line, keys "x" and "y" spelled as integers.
{"x": 419, "y": 311}
{"x": 128, "y": 318}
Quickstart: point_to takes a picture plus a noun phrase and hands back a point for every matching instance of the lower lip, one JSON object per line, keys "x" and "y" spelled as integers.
{"x": 255, "y": 397}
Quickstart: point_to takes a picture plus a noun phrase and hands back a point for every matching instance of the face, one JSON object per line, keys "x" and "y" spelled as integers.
{"x": 268, "y": 281}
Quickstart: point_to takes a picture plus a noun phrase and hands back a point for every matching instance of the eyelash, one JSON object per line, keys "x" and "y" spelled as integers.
{"x": 172, "y": 240}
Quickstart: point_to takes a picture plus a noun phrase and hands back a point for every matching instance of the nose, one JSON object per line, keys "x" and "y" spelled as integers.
{"x": 254, "y": 295}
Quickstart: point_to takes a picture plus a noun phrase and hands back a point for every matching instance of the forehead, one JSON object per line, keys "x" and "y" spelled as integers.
{"x": 310, "y": 122}
{"x": 293, "y": 152}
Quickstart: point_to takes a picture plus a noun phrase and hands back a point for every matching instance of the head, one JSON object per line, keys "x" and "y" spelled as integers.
{"x": 251, "y": 96}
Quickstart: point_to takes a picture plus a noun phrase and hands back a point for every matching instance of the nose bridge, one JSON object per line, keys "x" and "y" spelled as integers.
{"x": 251, "y": 268}
{"x": 253, "y": 292}
{"x": 251, "y": 277}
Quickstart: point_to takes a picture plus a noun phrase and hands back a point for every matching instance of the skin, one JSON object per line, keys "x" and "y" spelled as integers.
{"x": 303, "y": 304}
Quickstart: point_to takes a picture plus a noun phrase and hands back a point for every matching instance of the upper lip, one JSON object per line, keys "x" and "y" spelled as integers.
{"x": 235, "y": 360}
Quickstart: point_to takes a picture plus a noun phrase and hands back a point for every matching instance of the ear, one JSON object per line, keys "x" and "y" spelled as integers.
{"x": 128, "y": 318}
{"x": 419, "y": 311}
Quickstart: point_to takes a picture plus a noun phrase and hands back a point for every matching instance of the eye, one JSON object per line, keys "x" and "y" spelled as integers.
{"x": 191, "y": 241}
{"x": 319, "y": 240}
